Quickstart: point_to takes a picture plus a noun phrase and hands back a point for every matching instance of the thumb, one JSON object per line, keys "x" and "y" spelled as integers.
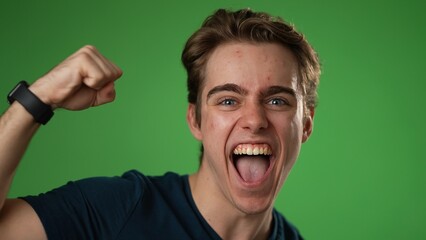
{"x": 105, "y": 95}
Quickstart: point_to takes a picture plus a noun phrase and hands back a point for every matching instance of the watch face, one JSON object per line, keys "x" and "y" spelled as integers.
{"x": 11, "y": 95}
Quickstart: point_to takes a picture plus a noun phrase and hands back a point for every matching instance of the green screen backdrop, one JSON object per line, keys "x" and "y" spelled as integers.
{"x": 362, "y": 175}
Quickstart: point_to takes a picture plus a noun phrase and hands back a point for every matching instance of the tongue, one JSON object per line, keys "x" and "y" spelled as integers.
{"x": 252, "y": 168}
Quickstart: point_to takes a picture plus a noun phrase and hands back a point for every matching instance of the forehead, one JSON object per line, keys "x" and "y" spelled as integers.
{"x": 252, "y": 66}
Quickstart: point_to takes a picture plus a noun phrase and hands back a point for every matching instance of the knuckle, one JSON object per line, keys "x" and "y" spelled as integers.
{"x": 90, "y": 48}
{"x": 118, "y": 73}
{"x": 108, "y": 74}
{"x": 87, "y": 51}
{"x": 84, "y": 57}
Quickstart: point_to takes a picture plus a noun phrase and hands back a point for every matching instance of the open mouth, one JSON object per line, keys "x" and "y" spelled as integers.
{"x": 252, "y": 161}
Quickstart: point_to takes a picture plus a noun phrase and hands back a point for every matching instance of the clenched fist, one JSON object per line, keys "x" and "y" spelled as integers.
{"x": 83, "y": 80}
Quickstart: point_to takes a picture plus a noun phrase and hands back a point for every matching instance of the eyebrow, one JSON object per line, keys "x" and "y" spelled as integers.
{"x": 230, "y": 87}
{"x": 278, "y": 89}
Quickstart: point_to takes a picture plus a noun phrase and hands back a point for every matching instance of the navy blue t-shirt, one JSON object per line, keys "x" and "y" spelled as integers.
{"x": 133, "y": 206}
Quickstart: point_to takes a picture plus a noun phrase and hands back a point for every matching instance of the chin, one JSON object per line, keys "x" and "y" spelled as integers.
{"x": 254, "y": 205}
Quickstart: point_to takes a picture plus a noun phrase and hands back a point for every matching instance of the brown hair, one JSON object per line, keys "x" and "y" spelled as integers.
{"x": 247, "y": 26}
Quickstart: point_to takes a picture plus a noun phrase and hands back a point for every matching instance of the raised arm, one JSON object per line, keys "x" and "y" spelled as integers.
{"x": 83, "y": 80}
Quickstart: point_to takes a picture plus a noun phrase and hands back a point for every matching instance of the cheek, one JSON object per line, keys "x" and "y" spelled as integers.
{"x": 214, "y": 121}
{"x": 297, "y": 130}
{"x": 290, "y": 131}
{"x": 287, "y": 124}
{"x": 293, "y": 141}
{"x": 216, "y": 127}
{"x": 296, "y": 125}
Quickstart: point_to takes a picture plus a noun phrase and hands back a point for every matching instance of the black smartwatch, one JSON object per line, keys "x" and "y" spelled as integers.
{"x": 41, "y": 112}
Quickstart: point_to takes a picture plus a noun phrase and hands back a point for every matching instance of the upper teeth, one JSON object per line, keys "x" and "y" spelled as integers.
{"x": 253, "y": 149}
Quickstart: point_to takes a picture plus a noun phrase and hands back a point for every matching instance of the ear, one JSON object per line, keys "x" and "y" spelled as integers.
{"x": 308, "y": 125}
{"x": 192, "y": 122}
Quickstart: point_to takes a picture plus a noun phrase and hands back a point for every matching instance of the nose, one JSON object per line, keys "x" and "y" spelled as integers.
{"x": 253, "y": 117}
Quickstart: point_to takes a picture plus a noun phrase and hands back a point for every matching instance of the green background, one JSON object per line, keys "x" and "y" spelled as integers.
{"x": 360, "y": 176}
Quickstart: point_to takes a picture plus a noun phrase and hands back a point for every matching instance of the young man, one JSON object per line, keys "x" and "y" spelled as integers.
{"x": 252, "y": 91}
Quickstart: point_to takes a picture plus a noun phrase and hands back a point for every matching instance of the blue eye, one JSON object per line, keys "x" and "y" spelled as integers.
{"x": 228, "y": 102}
{"x": 278, "y": 101}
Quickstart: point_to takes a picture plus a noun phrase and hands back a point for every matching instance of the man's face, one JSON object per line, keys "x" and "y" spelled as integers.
{"x": 252, "y": 124}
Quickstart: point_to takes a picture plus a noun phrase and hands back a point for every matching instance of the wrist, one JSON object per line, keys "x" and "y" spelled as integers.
{"x": 40, "y": 111}
{"x": 37, "y": 90}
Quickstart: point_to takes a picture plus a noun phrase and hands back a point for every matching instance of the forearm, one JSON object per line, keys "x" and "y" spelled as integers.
{"x": 83, "y": 80}
{"x": 17, "y": 127}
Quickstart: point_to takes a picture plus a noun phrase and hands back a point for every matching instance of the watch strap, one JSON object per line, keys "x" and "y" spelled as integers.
{"x": 41, "y": 112}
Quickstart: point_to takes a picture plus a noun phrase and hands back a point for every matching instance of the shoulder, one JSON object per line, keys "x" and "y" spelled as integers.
{"x": 283, "y": 229}
{"x": 130, "y": 184}
{"x": 169, "y": 179}
{"x": 168, "y": 185}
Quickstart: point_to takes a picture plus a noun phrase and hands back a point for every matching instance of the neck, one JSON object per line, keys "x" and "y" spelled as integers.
{"x": 228, "y": 221}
